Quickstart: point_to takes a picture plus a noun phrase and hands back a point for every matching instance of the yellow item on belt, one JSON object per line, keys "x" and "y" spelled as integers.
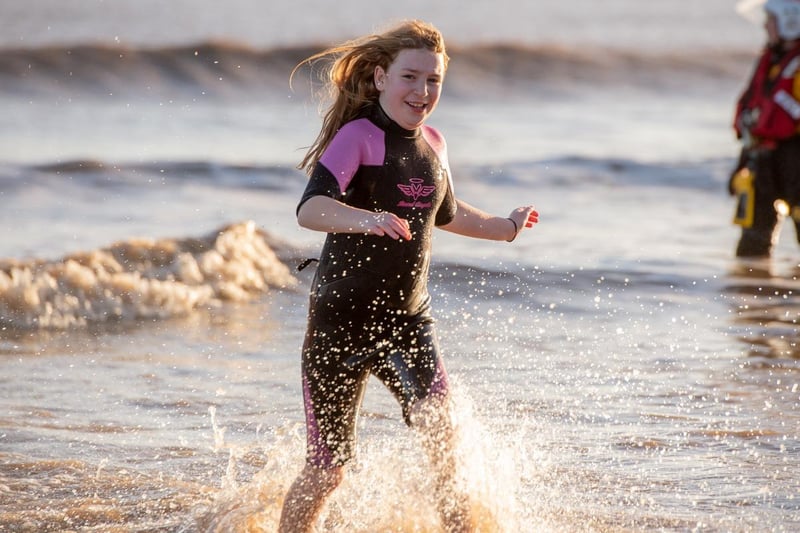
{"x": 745, "y": 197}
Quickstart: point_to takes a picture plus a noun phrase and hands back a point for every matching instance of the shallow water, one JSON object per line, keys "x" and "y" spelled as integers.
{"x": 651, "y": 385}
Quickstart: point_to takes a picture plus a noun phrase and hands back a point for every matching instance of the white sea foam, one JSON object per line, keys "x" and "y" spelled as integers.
{"x": 141, "y": 278}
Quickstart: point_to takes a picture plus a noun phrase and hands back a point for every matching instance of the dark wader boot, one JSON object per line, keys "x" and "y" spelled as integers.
{"x": 777, "y": 177}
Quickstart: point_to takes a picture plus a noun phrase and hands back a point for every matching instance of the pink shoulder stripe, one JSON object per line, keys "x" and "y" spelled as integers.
{"x": 437, "y": 142}
{"x": 357, "y": 143}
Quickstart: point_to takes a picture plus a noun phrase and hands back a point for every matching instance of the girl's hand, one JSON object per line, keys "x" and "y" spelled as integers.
{"x": 523, "y": 217}
{"x": 388, "y": 224}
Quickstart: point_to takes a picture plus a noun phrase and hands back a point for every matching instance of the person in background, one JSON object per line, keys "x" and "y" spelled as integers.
{"x": 766, "y": 181}
{"x": 379, "y": 184}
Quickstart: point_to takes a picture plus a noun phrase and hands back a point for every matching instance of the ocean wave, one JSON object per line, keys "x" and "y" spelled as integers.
{"x": 94, "y": 172}
{"x": 569, "y": 172}
{"x": 141, "y": 279}
{"x": 510, "y": 283}
{"x": 218, "y": 69}
{"x": 559, "y": 172}
{"x": 211, "y": 68}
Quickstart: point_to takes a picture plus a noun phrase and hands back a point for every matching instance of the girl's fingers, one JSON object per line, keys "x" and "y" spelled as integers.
{"x": 533, "y": 218}
{"x": 403, "y": 230}
{"x": 392, "y": 226}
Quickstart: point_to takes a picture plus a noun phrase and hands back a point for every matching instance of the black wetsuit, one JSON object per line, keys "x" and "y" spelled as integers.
{"x": 369, "y": 308}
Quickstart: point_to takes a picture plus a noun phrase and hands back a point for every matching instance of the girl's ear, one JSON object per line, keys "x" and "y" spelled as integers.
{"x": 379, "y": 78}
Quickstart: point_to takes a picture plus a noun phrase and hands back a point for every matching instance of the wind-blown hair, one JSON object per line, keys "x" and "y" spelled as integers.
{"x": 349, "y": 75}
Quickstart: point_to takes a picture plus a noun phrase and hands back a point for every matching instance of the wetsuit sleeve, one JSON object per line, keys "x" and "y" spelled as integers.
{"x": 357, "y": 143}
{"x": 447, "y": 210}
{"x": 321, "y": 183}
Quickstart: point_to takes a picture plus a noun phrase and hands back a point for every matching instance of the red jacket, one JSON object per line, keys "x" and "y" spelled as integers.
{"x": 769, "y": 110}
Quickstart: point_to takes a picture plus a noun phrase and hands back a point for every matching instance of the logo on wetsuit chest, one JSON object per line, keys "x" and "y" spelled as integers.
{"x": 415, "y": 190}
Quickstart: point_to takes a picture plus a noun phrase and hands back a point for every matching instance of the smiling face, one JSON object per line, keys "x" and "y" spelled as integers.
{"x": 410, "y": 87}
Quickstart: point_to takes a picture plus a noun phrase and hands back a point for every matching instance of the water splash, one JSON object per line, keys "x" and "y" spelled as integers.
{"x": 140, "y": 279}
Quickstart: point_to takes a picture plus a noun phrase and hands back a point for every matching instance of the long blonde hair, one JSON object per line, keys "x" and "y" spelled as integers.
{"x": 348, "y": 78}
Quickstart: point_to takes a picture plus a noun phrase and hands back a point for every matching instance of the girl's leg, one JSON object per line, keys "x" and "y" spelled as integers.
{"x": 332, "y": 396}
{"x": 432, "y": 420}
{"x": 412, "y": 369}
{"x": 306, "y": 497}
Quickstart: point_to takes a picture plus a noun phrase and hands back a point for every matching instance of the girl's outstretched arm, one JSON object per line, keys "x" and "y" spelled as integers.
{"x": 322, "y": 213}
{"x": 472, "y": 222}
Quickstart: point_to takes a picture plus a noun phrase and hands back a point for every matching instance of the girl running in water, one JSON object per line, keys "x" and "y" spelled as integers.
{"x": 379, "y": 184}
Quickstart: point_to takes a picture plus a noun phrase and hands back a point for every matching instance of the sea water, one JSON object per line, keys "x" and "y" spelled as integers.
{"x": 614, "y": 369}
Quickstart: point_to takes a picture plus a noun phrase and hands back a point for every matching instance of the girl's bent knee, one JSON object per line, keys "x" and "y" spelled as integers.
{"x": 322, "y": 479}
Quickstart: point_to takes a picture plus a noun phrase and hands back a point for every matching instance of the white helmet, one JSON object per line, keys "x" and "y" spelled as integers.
{"x": 787, "y": 14}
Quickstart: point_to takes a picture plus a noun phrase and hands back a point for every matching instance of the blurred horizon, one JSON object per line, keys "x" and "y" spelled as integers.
{"x": 657, "y": 25}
